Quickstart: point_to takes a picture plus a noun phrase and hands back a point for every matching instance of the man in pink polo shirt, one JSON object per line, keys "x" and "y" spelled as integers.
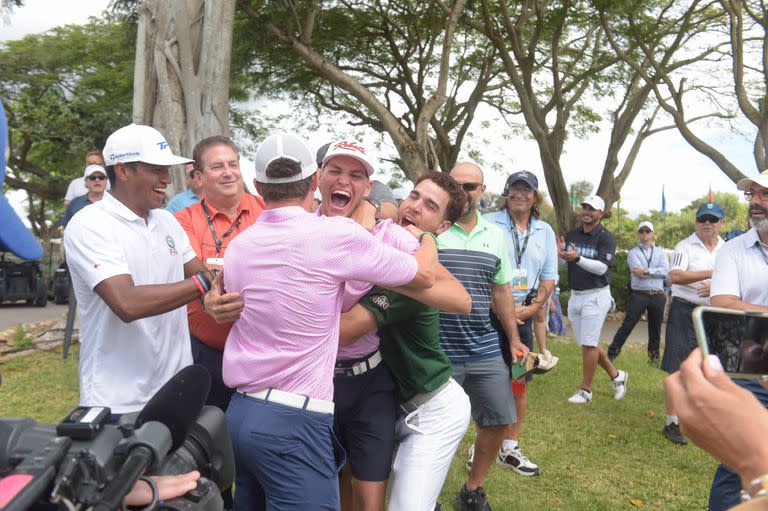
{"x": 290, "y": 269}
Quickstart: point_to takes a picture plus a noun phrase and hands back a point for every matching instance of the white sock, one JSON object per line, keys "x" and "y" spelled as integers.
{"x": 672, "y": 419}
{"x": 509, "y": 445}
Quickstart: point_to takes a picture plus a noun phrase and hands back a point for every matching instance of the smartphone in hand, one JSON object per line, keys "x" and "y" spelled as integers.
{"x": 738, "y": 338}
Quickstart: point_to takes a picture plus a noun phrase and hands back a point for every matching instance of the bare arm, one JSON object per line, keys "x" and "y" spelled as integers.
{"x": 131, "y": 302}
{"x": 679, "y": 276}
{"x": 356, "y": 322}
{"x": 734, "y": 302}
{"x": 542, "y": 295}
{"x": 504, "y": 306}
{"x": 426, "y": 257}
{"x": 448, "y": 294}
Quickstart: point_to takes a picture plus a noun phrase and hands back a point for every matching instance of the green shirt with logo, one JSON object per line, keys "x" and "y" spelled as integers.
{"x": 410, "y": 342}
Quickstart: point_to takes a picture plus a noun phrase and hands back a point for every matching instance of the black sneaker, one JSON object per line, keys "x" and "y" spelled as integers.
{"x": 672, "y": 433}
{"x": 612, "y": 353}
{"x": 653, "y": 360}
{"x": 472, "y": 500}
{"x": 438, "y": 507}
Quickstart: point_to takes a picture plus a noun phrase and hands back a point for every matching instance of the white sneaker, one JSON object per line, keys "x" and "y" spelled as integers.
{"x": 515, "y": 459}
{"x": 471, "y": 457}
{"x": 620, "y": 385}
{"x": 581, "y": 397}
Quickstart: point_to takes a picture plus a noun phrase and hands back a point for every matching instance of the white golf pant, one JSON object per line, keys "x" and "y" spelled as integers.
{"x": 427, "y": 440}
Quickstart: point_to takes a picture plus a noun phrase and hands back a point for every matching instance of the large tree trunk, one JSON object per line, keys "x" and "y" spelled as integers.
{"x": 181, "y": 81}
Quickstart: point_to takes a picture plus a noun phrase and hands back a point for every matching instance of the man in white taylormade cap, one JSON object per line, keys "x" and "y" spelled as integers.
{"x": 133, "y": 271}
{"x": 280, "y": 353}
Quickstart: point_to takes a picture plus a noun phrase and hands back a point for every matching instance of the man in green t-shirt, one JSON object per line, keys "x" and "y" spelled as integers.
{"x": 434, "y": 410}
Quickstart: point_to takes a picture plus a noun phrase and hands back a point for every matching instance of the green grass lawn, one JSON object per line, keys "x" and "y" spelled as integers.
{"x": 605, "y": 455}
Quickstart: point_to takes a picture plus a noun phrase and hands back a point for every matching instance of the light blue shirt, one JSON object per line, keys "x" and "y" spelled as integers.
{"x": 182, "y": 200}
{"x": 652, "y": 259}
{"x": 540, "y": 256}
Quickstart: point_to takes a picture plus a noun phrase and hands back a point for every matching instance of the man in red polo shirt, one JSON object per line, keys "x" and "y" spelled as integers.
{"x": 211, "y": 224}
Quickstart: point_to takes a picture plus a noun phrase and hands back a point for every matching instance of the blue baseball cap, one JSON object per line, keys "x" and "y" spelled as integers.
{"x": 14, "y": 236}
{"x": 710, "y": 209}
{"x": 526, "y": 177}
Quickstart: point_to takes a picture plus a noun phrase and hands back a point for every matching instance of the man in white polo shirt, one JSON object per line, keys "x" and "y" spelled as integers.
{"x": 690, "y": 274}
{"x": 740, "y": 281}
{"x": 133, "y": 271}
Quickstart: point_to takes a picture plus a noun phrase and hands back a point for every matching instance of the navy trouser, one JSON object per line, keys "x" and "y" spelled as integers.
{"x": 286, "y": 458}
{"x": 212, "y": 359}
{"x": 726, "y": 485}
{"x": 638, "y": 303}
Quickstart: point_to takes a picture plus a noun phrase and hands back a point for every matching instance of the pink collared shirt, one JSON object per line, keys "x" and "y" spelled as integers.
{"x": 290, "y": 268}
{"x": 392, "y": 235}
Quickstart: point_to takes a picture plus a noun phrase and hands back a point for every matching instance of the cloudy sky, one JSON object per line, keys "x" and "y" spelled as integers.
{"x": 665, "y": 159}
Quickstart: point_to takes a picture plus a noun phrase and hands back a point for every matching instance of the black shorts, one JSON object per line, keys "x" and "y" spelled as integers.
{"x": 364, "y": 421}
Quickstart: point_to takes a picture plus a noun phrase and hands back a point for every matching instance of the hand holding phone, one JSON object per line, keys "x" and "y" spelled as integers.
{"x": 738, "y": 338}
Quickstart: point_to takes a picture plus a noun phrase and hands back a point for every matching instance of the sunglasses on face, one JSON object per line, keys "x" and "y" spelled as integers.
{"x": 96, "y": 178}
{"x": 762, "y": 195}
{"x": 471, "y": 187}
{"x": 644, "y": 231}
{"x": 519, "y": 189}
{"x": 708, "y": 220}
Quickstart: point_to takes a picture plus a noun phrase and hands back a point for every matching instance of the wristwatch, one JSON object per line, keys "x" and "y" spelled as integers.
{"x": 376, "y": 204}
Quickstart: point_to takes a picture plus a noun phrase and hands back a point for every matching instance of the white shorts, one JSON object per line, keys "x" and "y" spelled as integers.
{"x": 587, "y": 311}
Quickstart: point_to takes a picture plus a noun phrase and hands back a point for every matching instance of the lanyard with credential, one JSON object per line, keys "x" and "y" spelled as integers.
{"x": 647, "y": 258}
{"x": 762, "y": 251}
{"x": 218, "y": 242}
{"x": 520, "y": 251}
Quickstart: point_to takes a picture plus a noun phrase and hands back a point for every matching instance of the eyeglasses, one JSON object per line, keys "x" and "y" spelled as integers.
{"x": 707, "y": 220}
{"x": 471, "y": 187}
{"x": 644, "y": 231}
{"x": 519, "y": 189}
{"x": 762, "y": 195}
{"x": 97, "y": 178}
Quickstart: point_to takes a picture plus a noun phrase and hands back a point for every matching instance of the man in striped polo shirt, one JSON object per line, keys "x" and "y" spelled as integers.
{"x": 474, "y": 251}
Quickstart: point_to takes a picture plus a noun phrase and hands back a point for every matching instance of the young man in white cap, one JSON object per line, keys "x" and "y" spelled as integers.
{"x": 649, "y": 266}
{"x": 588, "y": 250}
{"x": 133, "y": 271}
{"x": 280, "y": 353}
{"x": 95, "y": 177}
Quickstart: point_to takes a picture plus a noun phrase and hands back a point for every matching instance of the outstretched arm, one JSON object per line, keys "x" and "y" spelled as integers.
{"x": 448, "y": 294}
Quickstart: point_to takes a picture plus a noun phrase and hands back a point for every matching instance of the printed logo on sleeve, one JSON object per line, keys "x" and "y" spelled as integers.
{"x": 171, "y": 245}
{"x": 380, "y": 301}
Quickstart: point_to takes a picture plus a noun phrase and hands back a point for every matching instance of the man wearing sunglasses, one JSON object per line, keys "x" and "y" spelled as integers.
{"x": 649, "y": 266}
{"x": 740, "y": 281}
{"x": 475, "y": 251}
{"x": 95, "y": 178}
{"x": 690, "y": 274}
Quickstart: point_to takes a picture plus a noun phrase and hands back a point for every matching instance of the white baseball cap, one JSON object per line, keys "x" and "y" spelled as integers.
{"x": 284, "y": 145}
{"x": 92, "y": 169}
{"x": 595, "y": 201}
{"x": 351, "y": 148}
{"x": 646, "y": 224}
{"x": 137, "y": 142}
{"x": 746, "y": 183}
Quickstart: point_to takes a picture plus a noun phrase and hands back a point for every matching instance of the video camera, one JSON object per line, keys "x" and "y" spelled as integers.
{"x": 83, "y": 463}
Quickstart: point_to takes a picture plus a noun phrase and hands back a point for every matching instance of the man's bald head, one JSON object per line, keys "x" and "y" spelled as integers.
{"x": 470, "y": 177}
{"x": 469, "y": 172}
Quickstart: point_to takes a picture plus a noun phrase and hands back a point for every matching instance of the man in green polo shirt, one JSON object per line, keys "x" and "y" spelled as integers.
{"x": 434, "y": 410}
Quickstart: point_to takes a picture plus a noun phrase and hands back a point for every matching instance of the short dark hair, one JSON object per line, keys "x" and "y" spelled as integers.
{"x": 205, "y": 144}
{"x": 457, "y": 199}
{"x": 111, "y": 172}
{"x": 282, "y": 168}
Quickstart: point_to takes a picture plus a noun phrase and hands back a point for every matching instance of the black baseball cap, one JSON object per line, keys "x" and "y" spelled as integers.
{"x": 527, "y": 177}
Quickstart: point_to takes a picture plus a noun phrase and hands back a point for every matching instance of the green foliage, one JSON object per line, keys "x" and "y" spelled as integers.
{"x": 64, "y": 91}
{"x": 579, "y": 190}
{"x": 20, "y": 339}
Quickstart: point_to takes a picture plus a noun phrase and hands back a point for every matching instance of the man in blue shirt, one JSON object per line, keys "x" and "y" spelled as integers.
{"x": 649, "y": 266}
{"x": 95, "y": 178}
{"x": 192, "y": 195}
{"x": 533, "y": 251}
